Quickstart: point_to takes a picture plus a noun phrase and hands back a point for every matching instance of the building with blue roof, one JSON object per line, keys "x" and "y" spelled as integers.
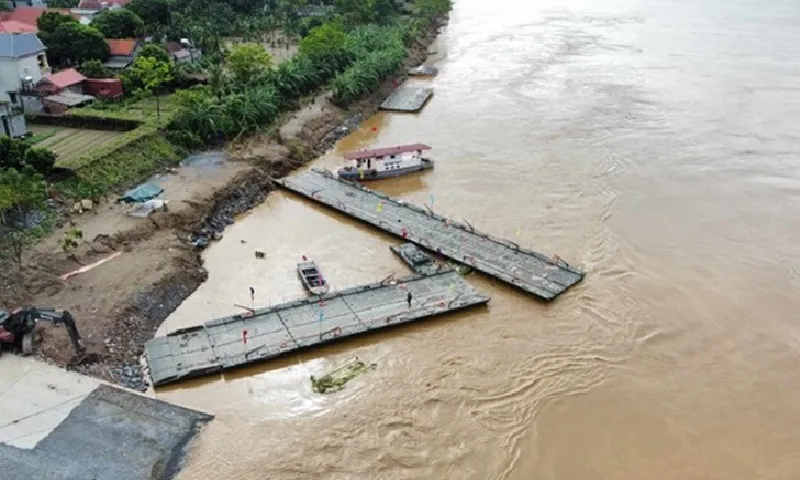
{"x": 22, "y": 63}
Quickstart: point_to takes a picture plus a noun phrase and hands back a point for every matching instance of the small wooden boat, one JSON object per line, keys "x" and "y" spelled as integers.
{"x": 311, "y": 278}
{"x": 385, "y": 162}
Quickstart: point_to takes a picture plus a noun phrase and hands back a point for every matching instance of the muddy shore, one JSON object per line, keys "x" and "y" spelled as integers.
{"x": 119, "y": 310}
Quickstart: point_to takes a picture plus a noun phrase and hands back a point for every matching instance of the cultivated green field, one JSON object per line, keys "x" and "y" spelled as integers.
{"x": 142, "y": 110}
{"x": 72, "y": 143}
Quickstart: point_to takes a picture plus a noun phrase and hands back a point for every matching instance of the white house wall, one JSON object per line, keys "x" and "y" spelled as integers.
{"x": 18, "y": 127}
{"x": 12, "y": 70}
{"x": 32, "y": 104}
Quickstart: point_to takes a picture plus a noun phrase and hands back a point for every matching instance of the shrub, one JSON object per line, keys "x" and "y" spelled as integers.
{"x": 40, "y": 159}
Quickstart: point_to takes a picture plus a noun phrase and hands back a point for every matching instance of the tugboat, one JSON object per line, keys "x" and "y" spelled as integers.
{"x": 311, "y": 278}
{"x": 385, "y": 162}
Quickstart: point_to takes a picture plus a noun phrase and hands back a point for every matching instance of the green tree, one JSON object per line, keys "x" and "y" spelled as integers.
{"x": 16, "y": 154}
{"x": 154, "y": 51}
{"x": 248, "y": 61}
{"x": 27, "y": 187}
{"x": 5, "y": 6}
{"x": 323, "y": 42}
{"x": 11, "y": 152}
{"x": 431, "y": 9}
{"x": 13, "y": 245}
{"x": 217, "y": 80}
{"x": 73, "y": 43}
{"x": 356, "y": 12}
{"x": 72, "y": 240}
{"x": 151, "y": 73}
{"x": 121, "y": 23}
{"x": 48, "y": 22}
{"x": 40, "y": 159}
{"x": 95, "y": 69}
{"x": 152, "y": 12}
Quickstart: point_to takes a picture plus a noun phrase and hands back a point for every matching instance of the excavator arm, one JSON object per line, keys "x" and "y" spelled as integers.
{"x": 18, "y": 326}
{"x": 57, "y": 317}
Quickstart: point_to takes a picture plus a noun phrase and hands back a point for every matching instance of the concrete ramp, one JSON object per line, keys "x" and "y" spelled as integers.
{"x": 269, "y": 332}
{"x": 58, "y": 425}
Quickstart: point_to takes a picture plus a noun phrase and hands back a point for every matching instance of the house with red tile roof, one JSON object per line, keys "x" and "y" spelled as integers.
{"x": 29, "y": 15}
{"x": 69, "y": 80}
{"x": 122, "y": 52}
{"x": 13, "y": 26}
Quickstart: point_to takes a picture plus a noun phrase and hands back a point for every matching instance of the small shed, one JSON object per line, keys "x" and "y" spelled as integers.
{"x": 182, "y": 54}
{"x": 62, "y": 102}
{"x": 122, "y": 52}
{"x": 69, "y": 80}
{"x": 105, "y": 88}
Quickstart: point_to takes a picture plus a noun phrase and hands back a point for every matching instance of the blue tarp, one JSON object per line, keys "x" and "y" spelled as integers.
{"x": 142, "y": 193}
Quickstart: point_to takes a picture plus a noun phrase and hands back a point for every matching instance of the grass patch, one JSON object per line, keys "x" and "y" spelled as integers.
{"x": 132, "y": 161}
{"x": 110, "y": 159}
{"x": 41, "y": 136}
{"x": 142, "y": 110}
{"x": 71, "y": 144}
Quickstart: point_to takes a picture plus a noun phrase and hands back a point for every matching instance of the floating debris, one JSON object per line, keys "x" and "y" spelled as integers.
{"x": 423, "y": 71}
{"x": 462, "y": 269}
{"x": 336, "y": 379}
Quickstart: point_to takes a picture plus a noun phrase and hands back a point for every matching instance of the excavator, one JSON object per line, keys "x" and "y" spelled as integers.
{"x": 16, "y": 327}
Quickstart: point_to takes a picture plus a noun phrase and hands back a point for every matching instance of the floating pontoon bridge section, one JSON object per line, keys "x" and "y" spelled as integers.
{"x": 269, "y": 332}
{"x": 502, "y": 259}
{"x": 407, "y": 99}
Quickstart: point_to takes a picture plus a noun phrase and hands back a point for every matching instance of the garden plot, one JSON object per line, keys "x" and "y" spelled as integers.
{"x": 73, "y": 143}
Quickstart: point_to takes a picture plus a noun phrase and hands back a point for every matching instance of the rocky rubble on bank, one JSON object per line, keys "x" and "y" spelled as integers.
{"x": 131, "y": 376}
{"x": 240, "y": 200}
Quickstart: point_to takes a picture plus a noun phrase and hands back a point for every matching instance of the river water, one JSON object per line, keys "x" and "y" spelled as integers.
{"x": 653, "y": 143}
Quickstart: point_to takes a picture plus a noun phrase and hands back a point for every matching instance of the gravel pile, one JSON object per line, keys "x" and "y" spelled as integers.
{"x": 131, "y": 376}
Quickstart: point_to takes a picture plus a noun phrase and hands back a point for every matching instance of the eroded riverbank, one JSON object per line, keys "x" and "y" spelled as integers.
{"x": 120, "y": 306}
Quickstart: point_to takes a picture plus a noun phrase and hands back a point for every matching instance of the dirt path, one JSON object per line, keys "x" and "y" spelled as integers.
{"x": 120, "y": 304}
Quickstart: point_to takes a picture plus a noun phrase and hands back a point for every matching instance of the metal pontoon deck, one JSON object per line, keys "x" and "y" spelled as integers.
{"x": 266, "y": 333}
{"x": 505, "y": 260}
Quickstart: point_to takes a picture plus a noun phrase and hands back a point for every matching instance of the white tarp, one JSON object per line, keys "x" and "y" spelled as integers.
{"x": 142, "y": 210}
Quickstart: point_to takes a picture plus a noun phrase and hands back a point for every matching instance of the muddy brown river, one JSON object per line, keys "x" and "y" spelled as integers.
{"x": 654, "y": 144}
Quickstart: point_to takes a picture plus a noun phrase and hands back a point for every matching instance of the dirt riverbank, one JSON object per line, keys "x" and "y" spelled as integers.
{"x": 119, "y": 305}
